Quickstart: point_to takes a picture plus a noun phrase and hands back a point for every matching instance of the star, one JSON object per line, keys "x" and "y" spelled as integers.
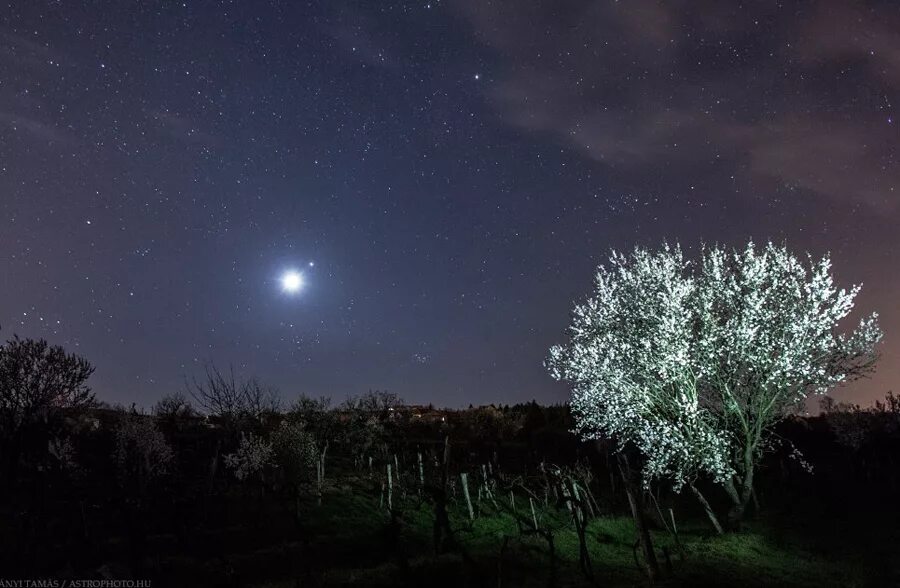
{"x": 291, "y": 282}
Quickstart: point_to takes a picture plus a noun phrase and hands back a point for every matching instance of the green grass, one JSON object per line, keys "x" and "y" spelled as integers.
{"x": 354, "y": 527}
{"x": 349, "y": 541}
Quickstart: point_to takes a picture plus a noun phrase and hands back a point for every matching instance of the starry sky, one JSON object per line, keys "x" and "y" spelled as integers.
{"x": 454, "y": 170}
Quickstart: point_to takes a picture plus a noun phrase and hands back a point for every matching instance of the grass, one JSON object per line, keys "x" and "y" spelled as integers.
{"x": 353, "y": 543}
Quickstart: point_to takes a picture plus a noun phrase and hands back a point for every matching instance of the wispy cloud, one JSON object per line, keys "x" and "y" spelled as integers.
{"x": 22, "y": 111}
{"x": 644, "y": 83}
{"x": 18, "y": 51}
{"x": 35, "y": 130}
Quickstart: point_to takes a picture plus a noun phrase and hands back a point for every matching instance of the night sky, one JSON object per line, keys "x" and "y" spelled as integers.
{"x": 453, "y": 170}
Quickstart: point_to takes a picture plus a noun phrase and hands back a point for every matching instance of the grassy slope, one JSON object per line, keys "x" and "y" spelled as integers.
{"x": 353, "y": 544}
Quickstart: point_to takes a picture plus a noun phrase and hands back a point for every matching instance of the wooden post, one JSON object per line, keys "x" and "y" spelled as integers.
{"x": 587, "y": 498}
{"x": 390, "y": 488}
{"x": 421, "y": 472}
{"x": 464, "y": 478}
{"x": 709, "y": 511}
{"x": 478, "y": 501}
{"x": 593, "y": 507}
{"x": 446, "y": 460}
{"x": 577, "y": 504}
{"x": 319, "y": 482}
{"x": 533, "y": 516}
{"x": 484, "y": 477}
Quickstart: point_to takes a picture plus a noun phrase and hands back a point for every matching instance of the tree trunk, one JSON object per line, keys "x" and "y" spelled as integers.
{"x": 742, "y": 493}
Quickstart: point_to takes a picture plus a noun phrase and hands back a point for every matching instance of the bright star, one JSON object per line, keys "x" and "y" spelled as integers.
{"x": 291, "y": 282}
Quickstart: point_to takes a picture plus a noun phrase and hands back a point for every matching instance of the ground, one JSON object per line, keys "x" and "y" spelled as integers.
{"x": 351, "y": 542}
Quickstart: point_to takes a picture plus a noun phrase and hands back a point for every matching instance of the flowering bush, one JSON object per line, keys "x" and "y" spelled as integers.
{"x": 253, "y": 455}
{"x": 295, "y": 448}
{"x": 142, "y": 453}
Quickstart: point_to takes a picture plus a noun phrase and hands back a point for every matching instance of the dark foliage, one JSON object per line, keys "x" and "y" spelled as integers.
{"x": 37, "y": 381}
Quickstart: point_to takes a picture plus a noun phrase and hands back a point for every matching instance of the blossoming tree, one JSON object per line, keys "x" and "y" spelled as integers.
{"x": 694, "y": 362}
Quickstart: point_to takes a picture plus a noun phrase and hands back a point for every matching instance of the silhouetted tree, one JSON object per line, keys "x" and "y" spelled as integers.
{"x": 230, "y": 398}
{"x": 36, "y": 379}
{"x": 173, "y": 406}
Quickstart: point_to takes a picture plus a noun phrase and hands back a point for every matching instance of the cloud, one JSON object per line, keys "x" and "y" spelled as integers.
{"x": 18, "y": 51}
{"x": 24, "y": 112}
{"x": 35, "y": 130}
{"x": 850, "y": 34}
{"x": 847, "y": 160}
{"x": 801, "y": 102}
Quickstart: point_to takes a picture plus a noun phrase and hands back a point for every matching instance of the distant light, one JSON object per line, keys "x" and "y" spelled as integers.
{"x": 292, "y": 282}
{"x": 312, "y": 264}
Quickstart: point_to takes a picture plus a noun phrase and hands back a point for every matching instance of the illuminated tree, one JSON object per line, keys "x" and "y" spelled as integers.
{"x": 694, "y": 363}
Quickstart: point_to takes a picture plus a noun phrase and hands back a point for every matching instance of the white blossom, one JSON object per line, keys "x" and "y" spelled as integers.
{"x": 252, "y": 456}
{"x": 141, "y": 450}
{"x": 694, "y": 362}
